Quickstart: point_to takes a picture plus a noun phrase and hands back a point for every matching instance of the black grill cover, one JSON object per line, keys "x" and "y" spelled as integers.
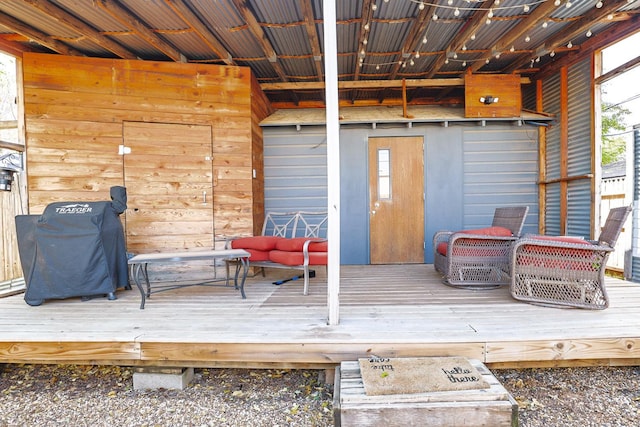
{"x": 74, "y": 249}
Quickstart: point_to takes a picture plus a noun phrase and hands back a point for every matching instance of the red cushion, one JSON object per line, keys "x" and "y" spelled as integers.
{"x": 490, "y": 231}
{"x": 442, "y": 248}
{"x": 261, "y": 243}
{"x": 487, "y": 231}
{"x": 257, "y": 255}
{"x": 296, "y": 258}
{"x": 296, "y": 244}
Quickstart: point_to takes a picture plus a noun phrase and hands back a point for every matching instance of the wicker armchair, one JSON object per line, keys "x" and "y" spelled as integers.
{"x": 565, "y": 271}
{"x": 479, "y": 259}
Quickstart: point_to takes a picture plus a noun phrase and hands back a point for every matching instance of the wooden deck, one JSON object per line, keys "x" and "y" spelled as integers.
{"x": 391, "y": 310}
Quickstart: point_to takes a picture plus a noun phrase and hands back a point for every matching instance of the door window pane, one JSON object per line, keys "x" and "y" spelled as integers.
{"x": 384, "y": 174}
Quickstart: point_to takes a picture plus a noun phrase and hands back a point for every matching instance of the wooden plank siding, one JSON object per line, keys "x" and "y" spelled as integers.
{"x": 386, "y": 310}
{"x": 75, "y": 109}
{"x": 10, "y": 206}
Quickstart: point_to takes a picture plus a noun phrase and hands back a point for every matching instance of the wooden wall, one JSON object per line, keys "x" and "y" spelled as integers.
{"x": 75, "y": 109}
{"x": 10, "y": 206}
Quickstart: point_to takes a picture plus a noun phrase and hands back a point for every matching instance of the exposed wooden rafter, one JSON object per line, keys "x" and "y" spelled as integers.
{"x": 578, "y": 27}
{"x": 538, "y": 15}
{"x": 37, "y": 35}
{"x": 312, "y": 33}
{"x": 189, "y": 17}
{"x": 131, "y": 21}
{"x": 74, "y": 23}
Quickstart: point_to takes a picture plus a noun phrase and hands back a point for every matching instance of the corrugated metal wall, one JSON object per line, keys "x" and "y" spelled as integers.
{"x": 551, "y": 105}
{"x": 580, "y": 150}
{"x": 579, "y": 153}
{"x": 635, "y": 239}
{"x": 500, "y": 169}
{"x": 295, "y": 172}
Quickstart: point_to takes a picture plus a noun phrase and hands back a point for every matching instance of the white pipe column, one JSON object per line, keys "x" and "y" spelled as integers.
{"x": 333, "y": 160}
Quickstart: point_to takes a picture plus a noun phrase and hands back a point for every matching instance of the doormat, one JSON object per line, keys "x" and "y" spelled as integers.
{"x": 409, "y": 375}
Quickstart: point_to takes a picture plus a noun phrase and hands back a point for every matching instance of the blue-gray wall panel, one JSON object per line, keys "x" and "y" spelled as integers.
{"x": 462, "y": 189}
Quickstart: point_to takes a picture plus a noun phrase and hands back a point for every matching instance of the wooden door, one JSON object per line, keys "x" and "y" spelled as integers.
{"x": 396, "y": 199}
{"x": 168, "y": 176}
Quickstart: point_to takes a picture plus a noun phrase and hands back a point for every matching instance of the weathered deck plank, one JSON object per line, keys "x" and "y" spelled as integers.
{"x": 385, "y": 310}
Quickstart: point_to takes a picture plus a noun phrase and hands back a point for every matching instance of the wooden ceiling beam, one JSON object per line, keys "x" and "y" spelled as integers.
{"x": 185, "y": 13}
{"x": 538, "y": 15}
{"x": 131, "y": 21}
{"x": 256, "y": 30}
{"x": 373, "y": 84}
{"x": 37, "y": 36}
{"x": 70, "y": 21}
{"x": 367, "y": 17}
{"x": 11, "y": 47}
{"x": 576, "y": 28}
{"x": 312, "y": 33}
{"x": 478, "y": 19}
{"x": 417, "y": 31}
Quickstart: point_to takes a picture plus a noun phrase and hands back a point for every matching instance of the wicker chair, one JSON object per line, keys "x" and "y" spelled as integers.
{"x": 479, "y": 259}
{"x": 565, "y": 271}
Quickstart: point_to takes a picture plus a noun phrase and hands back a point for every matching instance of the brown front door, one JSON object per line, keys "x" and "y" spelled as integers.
{"x": 169, "y": 183}
{"x": 396, "y": 200}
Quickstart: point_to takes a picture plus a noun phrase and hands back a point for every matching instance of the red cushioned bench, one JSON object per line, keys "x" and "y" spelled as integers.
{"x": 292, "y": 240}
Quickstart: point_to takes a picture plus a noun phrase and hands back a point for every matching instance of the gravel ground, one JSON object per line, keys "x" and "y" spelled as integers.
{"x": 69, "y": 395}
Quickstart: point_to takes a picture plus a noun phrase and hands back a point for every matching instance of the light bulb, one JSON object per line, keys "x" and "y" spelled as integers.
{"x": 589, "y": 33}
{"x": 417, "y": 55}
{"x": 455, "y": 55}
{"x": 404, "y": 65}
{"x": 526, "y": 8}
{"x": 599, "y": 4}
{"x": 527, "y": 39}
{"x": 365, "y": 41}
{"x": 486, "y": 61}
{"x": 498, "y": 55}
{"x": 411, "y": 62}
{"x": 513, "y": 49}
{"x": 557, "y": 2}
{"x": 464, "y": 47}
{"x": 490, "y": 14}
{"x": 538, "y": 59}
{"x": 488, "y": 21}
{"x": 366, "y": 26}
{"x": 496, "y": 2}
{"x": 456, "y": 12}
{"x": 449, "y": 2}
{"x": 553, "y": 53}
{"x": 473, "y": 36}
{"x": 421, "y": 6}
{"x": 377, "y": 67}
{"x": 570, "y": 45}
{"x": 446, "y": 61}
{"x": 545, "y": 24}
{"x": 610, "y": 16}
{"x": 424, "y": 40}
{"x": 464, "y": 63}
{"x": 567, "y": 5}
{"x": 434, "y": 17}
{"x": 374, "y": 7}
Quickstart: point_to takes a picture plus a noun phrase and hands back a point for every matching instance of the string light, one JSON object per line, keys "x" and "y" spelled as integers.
{"x": 491, "y": 13}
